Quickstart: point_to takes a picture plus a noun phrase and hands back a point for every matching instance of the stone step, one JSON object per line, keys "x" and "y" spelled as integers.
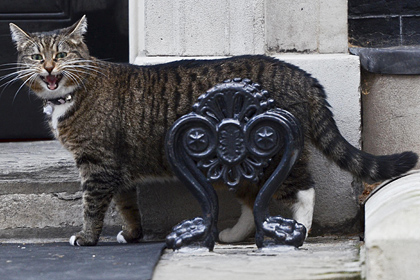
{"x": 40, "y": 193}
{"x": 40, "y": 197}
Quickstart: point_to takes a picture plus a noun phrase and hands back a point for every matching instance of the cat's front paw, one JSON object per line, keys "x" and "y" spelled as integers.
{"x": 186, "y": 232}
{"x": 285, "y": 231}
{"x": 81, "y": 239}
{"x": 129, "y": 237}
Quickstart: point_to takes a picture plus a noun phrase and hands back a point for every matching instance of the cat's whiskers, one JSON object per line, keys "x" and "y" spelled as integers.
{"x": 15, "y": 65}
{"x": 20, "y": 71}
{"x": 18, "y": 74}
{"x": 75, "y": 78}
{"x": 31, "y": 79}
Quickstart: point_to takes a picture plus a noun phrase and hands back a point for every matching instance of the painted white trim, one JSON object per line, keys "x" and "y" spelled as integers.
{"x": 137, "y": 44}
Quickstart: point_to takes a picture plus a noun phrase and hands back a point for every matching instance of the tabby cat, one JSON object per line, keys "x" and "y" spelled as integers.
{"x": 113, "y": 119}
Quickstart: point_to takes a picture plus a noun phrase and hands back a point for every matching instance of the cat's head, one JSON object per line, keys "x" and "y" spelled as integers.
{"x": 52, "y": 63}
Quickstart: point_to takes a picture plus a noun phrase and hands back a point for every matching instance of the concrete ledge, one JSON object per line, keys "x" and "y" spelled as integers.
{"x": 392, "y": 227}
{"x": 401, "y": 60}
{"x": 391, "y": 113}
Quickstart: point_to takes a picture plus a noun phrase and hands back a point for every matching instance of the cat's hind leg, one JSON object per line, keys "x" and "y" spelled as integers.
{"x": 242, "y": 229}
{"x": 298, "y": 194}
{"x": 129, "y": 209}
{"x": 303, "y": 208}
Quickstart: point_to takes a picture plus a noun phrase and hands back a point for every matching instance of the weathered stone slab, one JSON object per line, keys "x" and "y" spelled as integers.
{"x": 392, "y": 239}
{"x": 319, "y": 258}
{"x": 40, "y": 193}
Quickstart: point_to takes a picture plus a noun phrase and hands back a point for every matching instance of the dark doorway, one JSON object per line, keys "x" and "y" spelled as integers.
{"x": 21, "y": 116}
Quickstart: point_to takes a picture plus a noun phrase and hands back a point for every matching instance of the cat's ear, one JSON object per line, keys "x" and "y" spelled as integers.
{"x": 18, "y": 35}
{"x": 77, "y": 30}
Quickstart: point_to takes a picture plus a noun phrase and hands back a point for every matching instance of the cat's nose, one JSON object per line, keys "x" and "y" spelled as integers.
{"x": 49, "y": 66}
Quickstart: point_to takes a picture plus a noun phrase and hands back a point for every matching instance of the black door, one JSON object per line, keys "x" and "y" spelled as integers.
{"x": 21, "y": 116}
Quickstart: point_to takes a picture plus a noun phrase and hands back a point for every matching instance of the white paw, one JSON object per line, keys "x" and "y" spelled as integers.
{"x": 224, "y": 235}
{"x": 229, "y": 236}
{"x": 73, "y": 241}
{"x": 242, "y": 229}
{"x": 120, "y": 238}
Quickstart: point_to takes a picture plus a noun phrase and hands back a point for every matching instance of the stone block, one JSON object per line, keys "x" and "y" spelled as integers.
{"x": 306, "y": 26}
{"x": 336, "y": 207}
{"x": 392, "y": 242}
{"x": 391, "y": 113}
{"x": 196, "y": 28}
{"x": 333, "y": 37}
{"x": 234, "y": 27}
{"x": 292, "y": 26}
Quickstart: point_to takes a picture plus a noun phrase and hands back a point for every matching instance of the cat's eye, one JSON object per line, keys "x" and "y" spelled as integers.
{"x": 37, "y": 56}
{"x": 60, "y": 55}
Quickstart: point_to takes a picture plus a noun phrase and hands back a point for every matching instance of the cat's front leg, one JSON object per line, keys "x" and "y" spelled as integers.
{"x": 129, "y": 209}
{"x": 96, "y": 200}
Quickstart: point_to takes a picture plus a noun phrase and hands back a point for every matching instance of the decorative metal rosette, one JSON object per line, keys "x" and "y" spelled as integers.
{"x": 233, "y": 138}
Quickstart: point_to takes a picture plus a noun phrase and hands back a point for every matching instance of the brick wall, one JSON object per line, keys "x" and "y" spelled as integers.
{"x": 384, "y": 23}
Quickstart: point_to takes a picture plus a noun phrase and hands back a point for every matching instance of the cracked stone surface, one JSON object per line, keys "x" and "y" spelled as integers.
{"x": 40, "y": 194}
{"x": 318, "y": 258}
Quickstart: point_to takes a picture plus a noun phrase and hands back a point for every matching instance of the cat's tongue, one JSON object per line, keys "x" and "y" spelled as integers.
{"x": 52, "y": 82}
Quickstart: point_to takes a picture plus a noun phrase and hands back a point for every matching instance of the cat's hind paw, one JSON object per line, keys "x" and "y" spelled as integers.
{"x": 73, "y": 241}
{"x": 121, "y": 238}
{"x": 124, "y": 237}
{"x": 81, "y": 239}
{"x": 187, "y": 232}
{"x": 284, "y": 231}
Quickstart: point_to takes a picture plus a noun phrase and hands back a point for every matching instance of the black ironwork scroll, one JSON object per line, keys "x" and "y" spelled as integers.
{"x": 232, "y": 135}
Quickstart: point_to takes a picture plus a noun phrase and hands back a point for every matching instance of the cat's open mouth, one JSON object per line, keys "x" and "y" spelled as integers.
{"x": 52, "y": 81}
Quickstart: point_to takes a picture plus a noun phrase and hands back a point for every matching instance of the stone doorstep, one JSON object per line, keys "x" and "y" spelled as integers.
{"x": 40, "y": 197}
{"x": 40, "y": 193}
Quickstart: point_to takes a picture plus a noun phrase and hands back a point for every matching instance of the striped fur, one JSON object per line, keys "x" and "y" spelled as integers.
{"x": 116, "y": 123}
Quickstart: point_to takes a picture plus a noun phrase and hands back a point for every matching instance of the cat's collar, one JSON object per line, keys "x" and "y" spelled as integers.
{"x": 60, "y": 100}
{"x": 49, "y": 103}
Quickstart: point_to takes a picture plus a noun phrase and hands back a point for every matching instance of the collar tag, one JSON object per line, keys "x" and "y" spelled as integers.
{"x": 48, "y": 109}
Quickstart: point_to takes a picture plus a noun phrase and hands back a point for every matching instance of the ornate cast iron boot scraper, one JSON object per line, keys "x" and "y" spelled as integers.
{"x": 232, "y": 134}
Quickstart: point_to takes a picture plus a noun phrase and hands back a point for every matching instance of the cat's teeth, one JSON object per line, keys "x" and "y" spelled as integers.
{"x": 52, "y": 81}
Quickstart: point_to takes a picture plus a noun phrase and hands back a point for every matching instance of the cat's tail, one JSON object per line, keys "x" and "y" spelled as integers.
{"x": 371, "y": 168}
